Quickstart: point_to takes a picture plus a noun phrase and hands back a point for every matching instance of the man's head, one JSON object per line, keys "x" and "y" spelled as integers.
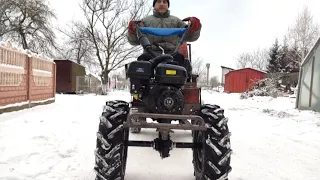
{"x": 161, "y": 6}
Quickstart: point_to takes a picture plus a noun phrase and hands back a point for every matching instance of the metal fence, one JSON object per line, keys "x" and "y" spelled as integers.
{"x": 88, "y": 84}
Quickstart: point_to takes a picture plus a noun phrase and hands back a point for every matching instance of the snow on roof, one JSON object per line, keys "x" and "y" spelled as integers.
{"x": 8, "y": 45}
{"x": 248, "y": 68}
{"x": 226, "y": 67}
{"x": 95, "y": 75}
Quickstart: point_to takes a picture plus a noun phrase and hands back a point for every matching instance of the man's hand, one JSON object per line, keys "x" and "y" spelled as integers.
{"x": 132, "y": 26}
{"x": 195, "y": 23}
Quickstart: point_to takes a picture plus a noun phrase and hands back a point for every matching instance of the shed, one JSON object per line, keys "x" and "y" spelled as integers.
{"x": 241, "y": 80}
{"x": 308, "y": 93}
{"x": 67, "y": 72}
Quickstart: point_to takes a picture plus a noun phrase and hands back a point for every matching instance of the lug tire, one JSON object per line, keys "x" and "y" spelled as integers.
{"x": 111, "y": 150}
{"x": 212, "y": 161}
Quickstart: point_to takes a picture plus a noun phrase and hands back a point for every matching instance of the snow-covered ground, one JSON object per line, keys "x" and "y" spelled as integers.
{"x": 271, "y": 141}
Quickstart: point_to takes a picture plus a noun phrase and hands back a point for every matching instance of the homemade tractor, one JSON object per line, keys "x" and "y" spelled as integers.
{"x": 164, "y": 90}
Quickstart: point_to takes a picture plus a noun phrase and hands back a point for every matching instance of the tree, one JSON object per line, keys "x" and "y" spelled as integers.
{"x": 260, "y": 57}
{"x": 106, "y": 25}
{"x": 287, "y": 62}
{"x": 256, "y": 59}
{"x": 78, "y": 46}
{"x": 214, "y": 81}
{"x": 303, "y": 34}
{"x": 199, "y": 68}
{"x": 275, "y": 56}
{"x": 244, "y": 60}
{"x": 27, "y": 22}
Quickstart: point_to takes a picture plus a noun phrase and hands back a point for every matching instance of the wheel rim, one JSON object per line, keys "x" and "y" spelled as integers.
{"x": 125, "y": 151}
{"x": 199, "y": 152}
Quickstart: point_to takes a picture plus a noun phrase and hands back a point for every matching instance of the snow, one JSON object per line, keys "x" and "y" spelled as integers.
{"x": 270, "y": 140}
{"x": 24, "y": 103}
{"x": 27, "y": 52}
{"x": 11, "y": 66}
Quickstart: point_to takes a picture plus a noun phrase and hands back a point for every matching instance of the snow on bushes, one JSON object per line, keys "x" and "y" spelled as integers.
{"x": 265, "y": 87}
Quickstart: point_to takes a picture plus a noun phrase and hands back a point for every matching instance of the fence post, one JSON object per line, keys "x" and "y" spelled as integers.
{"x": 29, "y": 63}
{"x": 54, "y": 79}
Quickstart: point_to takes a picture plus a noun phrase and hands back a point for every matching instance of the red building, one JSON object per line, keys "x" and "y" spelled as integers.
{"x": 241, "y": 80}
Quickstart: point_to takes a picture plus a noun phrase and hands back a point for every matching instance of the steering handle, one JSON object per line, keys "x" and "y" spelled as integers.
{"x": 144, "y": 41}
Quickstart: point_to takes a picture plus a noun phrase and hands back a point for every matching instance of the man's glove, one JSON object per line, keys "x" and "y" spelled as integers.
{"x": 132, "y": 26}
{"x": 195, "y": 23}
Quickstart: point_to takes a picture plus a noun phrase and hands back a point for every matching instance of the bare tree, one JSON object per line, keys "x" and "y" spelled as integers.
{"x": 27, "y": 22}
{"x": 214, "y": 81}
{"x": 107, "y": 23}
{"x": 303, "y": 34}
{"x": 260, "y": 61}
{"x": 256, "y": 59}
{"x": 199, "y": 68}
{"x": 77, "y": 45}
{"x": 244, "y": 60}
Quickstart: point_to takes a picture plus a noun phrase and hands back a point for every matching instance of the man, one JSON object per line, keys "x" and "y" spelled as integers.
{"x": 161, "y": 18}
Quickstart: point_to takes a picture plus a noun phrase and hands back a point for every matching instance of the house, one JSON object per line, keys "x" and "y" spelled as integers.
{"x": 238, "y": 81}
{"x": 225, "y": 70}
{"x": 308, "y": 93}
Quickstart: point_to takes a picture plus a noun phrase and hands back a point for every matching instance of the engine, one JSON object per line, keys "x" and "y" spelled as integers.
{"x": 158, "y": 84}
{"x": 164, "y": 99}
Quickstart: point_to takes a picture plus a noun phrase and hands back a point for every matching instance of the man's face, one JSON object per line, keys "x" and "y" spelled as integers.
{"x": 161, "y": 6}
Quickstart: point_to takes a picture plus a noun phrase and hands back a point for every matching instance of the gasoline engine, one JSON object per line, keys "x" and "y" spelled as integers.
{"x": 157, "y": 83}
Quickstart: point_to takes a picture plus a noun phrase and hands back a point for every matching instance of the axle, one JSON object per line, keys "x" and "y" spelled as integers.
{"x": 163, "y": 146}
{"x": 174, "y": 144}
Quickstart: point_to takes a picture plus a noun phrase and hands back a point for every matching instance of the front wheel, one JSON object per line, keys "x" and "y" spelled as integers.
{"x": 111, "y": 150}
{"x": 212, "y": 161}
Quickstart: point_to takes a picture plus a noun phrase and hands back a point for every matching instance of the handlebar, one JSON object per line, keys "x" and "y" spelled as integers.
{"x": 144, "y": 41}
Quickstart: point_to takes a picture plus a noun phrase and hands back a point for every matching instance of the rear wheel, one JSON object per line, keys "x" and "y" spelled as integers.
{"x": 212, "y": 162}
{"x": 111, "y": 150}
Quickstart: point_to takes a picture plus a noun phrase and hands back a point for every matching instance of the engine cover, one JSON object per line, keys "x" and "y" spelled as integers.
{"x": 164, "y": 99}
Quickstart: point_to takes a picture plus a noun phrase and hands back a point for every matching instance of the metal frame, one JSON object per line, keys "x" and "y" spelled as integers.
{"x": 198, "y": 122}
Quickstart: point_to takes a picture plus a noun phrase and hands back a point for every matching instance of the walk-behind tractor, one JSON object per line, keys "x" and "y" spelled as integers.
{"x": 164, "y": 90}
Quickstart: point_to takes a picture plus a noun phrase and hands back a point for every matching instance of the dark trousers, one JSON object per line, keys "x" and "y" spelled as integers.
{"x": 178, "y": 57}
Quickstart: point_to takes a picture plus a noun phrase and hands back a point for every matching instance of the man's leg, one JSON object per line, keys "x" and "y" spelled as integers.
{"x": 144, "y": 57}
{"x": 183, "y": 61}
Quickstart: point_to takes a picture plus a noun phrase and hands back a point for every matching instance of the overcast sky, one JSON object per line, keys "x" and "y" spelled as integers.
{"x": 229, "y": 27}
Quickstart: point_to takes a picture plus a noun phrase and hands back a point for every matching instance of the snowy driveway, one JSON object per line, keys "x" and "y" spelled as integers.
{"x": 271, "y": 141}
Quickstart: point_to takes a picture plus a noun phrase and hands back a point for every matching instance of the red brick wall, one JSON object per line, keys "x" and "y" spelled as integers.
{"x": 14, "y": 89}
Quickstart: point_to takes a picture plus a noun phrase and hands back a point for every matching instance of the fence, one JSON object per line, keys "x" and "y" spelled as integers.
{"x": 88, "y": 84}
{"x": 25, "y": 79}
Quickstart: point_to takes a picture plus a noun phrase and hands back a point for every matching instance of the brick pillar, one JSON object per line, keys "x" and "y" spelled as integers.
{"x": 29, "y": 78}
{"x": 54, "y": 79}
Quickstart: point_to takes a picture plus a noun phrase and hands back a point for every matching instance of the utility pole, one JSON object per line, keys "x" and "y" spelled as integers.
{"x": 208, "y": 66}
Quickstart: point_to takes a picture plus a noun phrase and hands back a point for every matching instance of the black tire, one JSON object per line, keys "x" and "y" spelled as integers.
{"x": 216, "y": 150}
{"x": 111, "y": 151}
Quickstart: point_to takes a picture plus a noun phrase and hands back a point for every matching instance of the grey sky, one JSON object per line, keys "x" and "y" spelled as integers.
{"x": 229, "y": 26}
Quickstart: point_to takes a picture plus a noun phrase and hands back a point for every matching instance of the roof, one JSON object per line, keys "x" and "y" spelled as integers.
{"x": 69, "y": 61}
{"x": 226, "y": 67}
{"x": 308, "y": 57}
{"x": 248, "y": 68}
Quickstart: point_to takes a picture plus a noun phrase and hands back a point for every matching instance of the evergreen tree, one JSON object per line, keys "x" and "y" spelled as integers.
{"x": 294, "y": 59}
{"x": 275, "y": 56}
{"x": 284, "y": 60}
